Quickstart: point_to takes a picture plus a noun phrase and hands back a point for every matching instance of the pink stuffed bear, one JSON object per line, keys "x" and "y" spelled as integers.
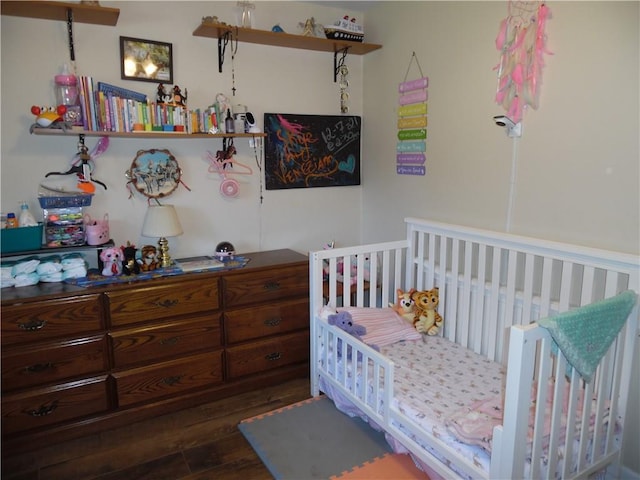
{"x": 112, "y": 259}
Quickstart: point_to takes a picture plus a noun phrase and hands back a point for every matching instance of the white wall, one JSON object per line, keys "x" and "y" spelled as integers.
{"x": 578, "y": 159}
{"x": 268, "y": 79}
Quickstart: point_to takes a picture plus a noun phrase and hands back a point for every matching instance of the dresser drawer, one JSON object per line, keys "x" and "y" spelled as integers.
{"x": 258, "y": 288}
{"x": 267, "y": 354}
{"x": 258, "y": 322}
{"x": 37, "y": 321}
{"x": 143, "y": 304}
{"x": 38, "y": 408}
{"x": 170, "y": 339}
{"x": 145, "y": 384}
{"x": 53, "y": 361}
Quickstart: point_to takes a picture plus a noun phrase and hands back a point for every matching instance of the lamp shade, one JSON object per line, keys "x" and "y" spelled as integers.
{"x": 161, "y": 221}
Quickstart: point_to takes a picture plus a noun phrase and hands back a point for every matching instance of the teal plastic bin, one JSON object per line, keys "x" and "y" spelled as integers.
{"x": 20, "y": 239}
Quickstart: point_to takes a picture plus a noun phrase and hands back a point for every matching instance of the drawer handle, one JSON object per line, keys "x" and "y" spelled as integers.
{"x": 273, "y": 356}
{"x": 170, "y": 341}
{"x": 172, "y": 380}
{"x": 271, "y": 286}
{"x": 44, "y": 410}
{"x": 33, "y": 325}
{"x": 38, "y": 367}
{"x": 167, "y": 303}
{"x": 273, "y": 322}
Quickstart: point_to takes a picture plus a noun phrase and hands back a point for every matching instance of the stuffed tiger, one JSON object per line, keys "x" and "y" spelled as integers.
{"x": 426, "y": 319}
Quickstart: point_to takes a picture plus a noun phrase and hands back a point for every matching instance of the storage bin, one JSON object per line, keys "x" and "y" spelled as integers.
{"x": 21, "y": 239}
{"x": 65, "y": 202}
{"x": 64, "y": 227}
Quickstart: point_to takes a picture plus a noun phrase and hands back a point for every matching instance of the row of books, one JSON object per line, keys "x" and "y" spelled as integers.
{"x": 108, "y": 108}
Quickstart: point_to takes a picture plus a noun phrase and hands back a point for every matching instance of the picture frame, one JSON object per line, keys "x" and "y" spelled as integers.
{"x": 146, "y": 60}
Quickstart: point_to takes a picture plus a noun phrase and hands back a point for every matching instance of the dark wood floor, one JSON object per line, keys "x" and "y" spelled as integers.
{"x": 194, "y": 444}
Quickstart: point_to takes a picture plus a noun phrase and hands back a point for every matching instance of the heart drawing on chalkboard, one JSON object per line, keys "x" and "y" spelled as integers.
{"x": 349, "y": 165}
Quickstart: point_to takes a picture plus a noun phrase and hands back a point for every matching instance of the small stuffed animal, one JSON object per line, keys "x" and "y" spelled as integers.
{"x": 148, "y": 260}
{"x": 344, "y": 321}
{"x": 426, "y": 318}
{"x": 112, "y": 259}
{"x": 130, "y": 266}
{"x": 405, "y": 306}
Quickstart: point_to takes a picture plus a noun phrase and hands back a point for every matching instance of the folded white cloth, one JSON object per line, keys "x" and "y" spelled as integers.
{"x": 26, "y": 279}
{"x": 24, "y": 266}
{"x": 49, "y": 265}
{"x": 52, "y": 277}
{"x": 77, "y": 272}
{"x": 72, "y": 260}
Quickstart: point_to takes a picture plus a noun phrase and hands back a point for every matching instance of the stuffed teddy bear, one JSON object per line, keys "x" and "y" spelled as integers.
{"x": 426, "y": 318}
{"x": 344, "y": 321}
{"x": 404, "y": 306}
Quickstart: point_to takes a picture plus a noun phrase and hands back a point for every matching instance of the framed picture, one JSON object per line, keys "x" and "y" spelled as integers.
{"x": 146, "y": 60}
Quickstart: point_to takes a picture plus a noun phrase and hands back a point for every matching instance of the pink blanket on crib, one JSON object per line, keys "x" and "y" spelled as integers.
{"x": 474, "y": 425}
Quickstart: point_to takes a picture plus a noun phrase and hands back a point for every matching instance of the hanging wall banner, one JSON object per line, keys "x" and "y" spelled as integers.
{"x": 412, "y": 124}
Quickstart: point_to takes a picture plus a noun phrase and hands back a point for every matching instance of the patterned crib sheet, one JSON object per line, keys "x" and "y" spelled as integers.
{"x": 435, "y": 379}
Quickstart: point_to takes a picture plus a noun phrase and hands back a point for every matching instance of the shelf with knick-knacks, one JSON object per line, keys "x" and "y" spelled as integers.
{"x": 141, "y": 134}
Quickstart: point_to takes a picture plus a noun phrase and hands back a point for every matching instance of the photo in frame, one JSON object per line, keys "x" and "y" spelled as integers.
{"x": 303, "y": 151}
{"x": 146, "y": 60}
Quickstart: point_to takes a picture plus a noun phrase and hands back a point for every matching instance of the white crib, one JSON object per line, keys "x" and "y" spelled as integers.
{"x": 490, "y": 284}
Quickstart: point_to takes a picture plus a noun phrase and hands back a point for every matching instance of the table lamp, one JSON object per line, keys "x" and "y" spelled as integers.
{"x": 162, "y": 221}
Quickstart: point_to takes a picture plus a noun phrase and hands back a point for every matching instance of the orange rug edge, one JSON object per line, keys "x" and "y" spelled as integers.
{"x": 282, "y": 409}
{"x": 392, "y": 465}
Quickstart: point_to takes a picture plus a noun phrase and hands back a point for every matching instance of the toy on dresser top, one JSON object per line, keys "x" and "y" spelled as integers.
{"x": 353, "y": 267}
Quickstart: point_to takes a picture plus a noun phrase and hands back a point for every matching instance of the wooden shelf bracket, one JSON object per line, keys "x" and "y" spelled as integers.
{"x": 72, "y": 52}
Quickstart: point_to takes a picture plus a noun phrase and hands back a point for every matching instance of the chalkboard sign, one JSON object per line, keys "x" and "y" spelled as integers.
{"x": 304, "y": 151}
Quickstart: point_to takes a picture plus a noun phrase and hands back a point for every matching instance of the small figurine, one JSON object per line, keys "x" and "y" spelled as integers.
{"x": 162, "y": 96}
{"x": 308, "y": 27}
{"x": 148, "y": 260}
{"x": 112, "y": 259}
{"x": 49, "y": 117}
{"x": 130, "y": 266}
{"x": 179, "y": 99}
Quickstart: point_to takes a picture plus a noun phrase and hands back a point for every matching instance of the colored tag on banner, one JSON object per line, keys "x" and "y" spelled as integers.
{"x": 412, "y": 122}
{"x": 412, "y": 110}
{"x": 413, "y": 97}
{"x": 411, "y": 158}
{"x": 413, "y": 84}
{"x": 418, "y": 134}
{"x": 410, "y": 146}
{"x": 410, "y": 170}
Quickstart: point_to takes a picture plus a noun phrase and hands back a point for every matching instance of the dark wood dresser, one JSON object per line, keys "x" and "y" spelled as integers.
{"x": 79, "y": 360}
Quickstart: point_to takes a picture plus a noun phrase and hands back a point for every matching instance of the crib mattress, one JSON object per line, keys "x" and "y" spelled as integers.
{"x": 436, "y": 378}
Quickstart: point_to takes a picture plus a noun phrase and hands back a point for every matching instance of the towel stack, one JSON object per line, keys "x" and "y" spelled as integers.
{"x": 31, "y": 270}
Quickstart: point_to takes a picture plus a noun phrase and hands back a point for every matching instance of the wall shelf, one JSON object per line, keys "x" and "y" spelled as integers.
{"x": 82, "y": 13}
{"x": 94, "y": 133}
{"x": 281, "y": 39}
